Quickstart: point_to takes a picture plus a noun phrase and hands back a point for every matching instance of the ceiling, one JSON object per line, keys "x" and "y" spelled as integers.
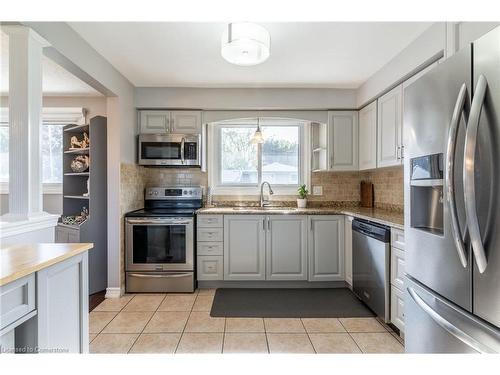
{"x": 56, "y": 80}
{"x": 184, "y": 54}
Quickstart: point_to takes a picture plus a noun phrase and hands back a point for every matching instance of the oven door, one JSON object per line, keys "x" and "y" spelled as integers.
{"x": 159, "y": 244}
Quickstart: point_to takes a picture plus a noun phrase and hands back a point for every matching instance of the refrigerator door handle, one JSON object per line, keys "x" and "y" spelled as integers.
{"x": 447, "y": 326}
{"x": 450, "y": 174}
{"x": 469, "y": 166}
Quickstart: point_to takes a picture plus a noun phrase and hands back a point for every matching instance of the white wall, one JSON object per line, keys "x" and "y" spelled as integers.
{"x": 244, "y": 98}
{"x": 76, "y": 55}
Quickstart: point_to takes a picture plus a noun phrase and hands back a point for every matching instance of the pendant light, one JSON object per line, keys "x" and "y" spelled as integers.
{"x": 245, "y": 44}
{"x": 257, "y": 137}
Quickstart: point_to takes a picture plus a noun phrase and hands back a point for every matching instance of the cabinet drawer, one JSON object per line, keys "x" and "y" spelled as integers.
{"x": 397, "y": 268}
{"x": 398, "y": 308}
{"x": 210, "y": 248}
{"x": 210, "y": 234}
{"x": 398, "y": 238}
{"x": 210, "y": 267}
{"x": 18, "y": 299}
{"x": 210, "y": 221}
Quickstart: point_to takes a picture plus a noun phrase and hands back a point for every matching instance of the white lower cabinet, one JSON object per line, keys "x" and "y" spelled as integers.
{"x": 348, "y": 249}
{"x": 286, "y": 247}
{"x": 210, "y": 267}
{"x": 244, "y": 247}
{"x": 397, "y": 308}
{"x": 209, "y": 260}
{"x": 326, "y": 248}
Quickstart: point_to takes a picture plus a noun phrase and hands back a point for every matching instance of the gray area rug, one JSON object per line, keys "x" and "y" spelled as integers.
{"x": 288, "y": 303}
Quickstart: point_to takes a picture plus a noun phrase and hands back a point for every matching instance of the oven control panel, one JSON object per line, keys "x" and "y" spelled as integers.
{"x": 173, "y": 192}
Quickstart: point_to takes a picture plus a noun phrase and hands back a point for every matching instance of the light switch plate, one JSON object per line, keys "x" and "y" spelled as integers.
{"x": 317, "y": 190}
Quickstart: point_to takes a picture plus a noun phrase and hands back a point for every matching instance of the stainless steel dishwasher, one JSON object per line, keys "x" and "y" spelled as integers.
{"x": 371, "y": 257}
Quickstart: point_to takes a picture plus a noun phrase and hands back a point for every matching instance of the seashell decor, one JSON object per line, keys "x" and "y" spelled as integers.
{"x": 80, "y": 163}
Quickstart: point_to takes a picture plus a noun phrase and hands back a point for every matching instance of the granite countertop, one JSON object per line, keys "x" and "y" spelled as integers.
{"x": 386, "y": 217}
{"x": 18, "y": 261}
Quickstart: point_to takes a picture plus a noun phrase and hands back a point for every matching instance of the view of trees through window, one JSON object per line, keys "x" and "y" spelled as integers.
{"x": 278, "y": 155}
{"x": 51, "y": 149}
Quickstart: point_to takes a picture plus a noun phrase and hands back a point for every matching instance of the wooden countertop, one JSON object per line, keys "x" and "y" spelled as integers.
{"x": 21, "y": 260}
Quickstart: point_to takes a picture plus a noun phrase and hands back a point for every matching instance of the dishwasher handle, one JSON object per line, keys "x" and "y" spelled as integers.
{"x": 377, "y": 231}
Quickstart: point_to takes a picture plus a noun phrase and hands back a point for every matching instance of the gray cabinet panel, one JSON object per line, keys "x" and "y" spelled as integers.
{"x": 244, "y": 247}
{"x": 326, "y": 248}
{"x": 286, "y": 248}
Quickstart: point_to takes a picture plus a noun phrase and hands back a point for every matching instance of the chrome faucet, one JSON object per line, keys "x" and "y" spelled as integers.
{"x": 265, "y": 202}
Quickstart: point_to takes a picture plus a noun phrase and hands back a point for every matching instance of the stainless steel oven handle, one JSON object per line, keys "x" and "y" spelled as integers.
{"x": 446, "y": 325}
{"x": 450, "y": 174}
{"x": 469, "y": 166}
{"x": 160, "y": 222}
{"x": 160, "y": 276}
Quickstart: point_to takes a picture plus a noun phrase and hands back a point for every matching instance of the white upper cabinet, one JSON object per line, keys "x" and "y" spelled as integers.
{"x": 286, "y": 247}
{"x": 368, "y": 137}
{"x": 343, "y": 140}
{"x": 163, "y": 122}
{"x": 154, "y": 122}
{"x": 389, "y": 128}
{"x": 326, "y": 248}
{"x": 186, "y": 122}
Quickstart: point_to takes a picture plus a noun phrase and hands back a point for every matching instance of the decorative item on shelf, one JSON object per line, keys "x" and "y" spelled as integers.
{"x": 80, "y": 163}
{"x": 86, "y": 194}
{"x": 76, "y": 219}
{"x": 302, "y": 201}
{"x": 76, "y": 144}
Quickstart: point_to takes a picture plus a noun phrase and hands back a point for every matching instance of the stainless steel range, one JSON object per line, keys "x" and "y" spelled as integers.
{"x": 159, "y": 241}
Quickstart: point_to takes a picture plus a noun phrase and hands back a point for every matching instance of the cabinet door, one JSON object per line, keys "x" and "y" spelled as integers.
{"x": 209, "y": 268}
{"x": 397, "y": 268}
{"x": 398, "y": 308}
{"x": 286, "y": 247}
{"x": 348, "y": 249}
{"x": 368, "y": 137}
{"x": 186, "y": 122}
{"x": 389, "y": 128}
{"x": 326, "y": 248}
{"x": 154, "y": 122}
{"x": 244, "y": 247}
{"x": 343, "y": 140}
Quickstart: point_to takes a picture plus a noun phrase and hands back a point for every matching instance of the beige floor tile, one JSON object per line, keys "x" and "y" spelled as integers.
{"x": 112, "y": 343}
{"x": 92, "y": 336}
{"x": 322, "y": 325}
{"x": 362, "y": 325}
{"x": 245, "y": 325}
{"x": 333, "y": 343}
{"x": 167, "y": 321}
{"x": 113, "y": 304}
{"x": 144, "y": 302}
{"x": 245, "y": 343}
{"x": 203, "y": 303}
{"x": 200, "y": 321}
{"x": 283, "y": 325}
{"x": 200, "y": 343}
{"x": 377, "y": 343}
{"x": 177, "y": 302}
{"x": 156, "y": 343}
{"x": 128, "y": 322}
{"x": 206, "y": 292}
{"x": 99, "y": 319}
{"x": 289, "y": 343}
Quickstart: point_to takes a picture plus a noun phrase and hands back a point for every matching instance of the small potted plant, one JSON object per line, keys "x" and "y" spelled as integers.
{"x": 302, "y": 201}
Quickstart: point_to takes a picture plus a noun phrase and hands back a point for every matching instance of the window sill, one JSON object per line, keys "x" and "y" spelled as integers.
{"x": 46, "y": 188}
{"x": 253, "y": 190}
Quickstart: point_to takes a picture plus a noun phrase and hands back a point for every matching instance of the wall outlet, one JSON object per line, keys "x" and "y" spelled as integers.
{"x": 317, "y": 190}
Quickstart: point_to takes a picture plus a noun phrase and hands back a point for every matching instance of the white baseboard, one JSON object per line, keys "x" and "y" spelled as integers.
{"x": 113, "y": 293}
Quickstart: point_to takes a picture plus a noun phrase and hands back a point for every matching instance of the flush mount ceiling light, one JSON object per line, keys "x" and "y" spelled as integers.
{"x": 245, "y": 44}
{"x": 257, "y": 137}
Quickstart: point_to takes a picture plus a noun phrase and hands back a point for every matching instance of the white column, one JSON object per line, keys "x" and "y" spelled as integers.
{"x": 25, "y": 119}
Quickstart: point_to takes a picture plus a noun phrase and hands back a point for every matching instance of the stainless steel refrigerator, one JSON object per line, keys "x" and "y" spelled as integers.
{"x": 452, "y": 203}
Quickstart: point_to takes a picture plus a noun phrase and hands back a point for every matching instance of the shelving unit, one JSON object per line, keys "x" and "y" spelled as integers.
{"x": 94, "y": 229}
{"x": 319, "y": 145}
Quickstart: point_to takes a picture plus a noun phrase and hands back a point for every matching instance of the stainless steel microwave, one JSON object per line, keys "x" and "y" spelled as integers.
{"x": 170, "y": 150}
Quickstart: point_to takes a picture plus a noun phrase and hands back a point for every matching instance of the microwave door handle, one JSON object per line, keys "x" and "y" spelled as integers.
{"x": 469, "y": 166}
{"x": 450, "y": 174}
{"x": 182, "y": 149}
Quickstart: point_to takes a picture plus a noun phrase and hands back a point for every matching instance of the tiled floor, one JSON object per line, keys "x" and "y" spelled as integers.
{"x": 181, "y": 323}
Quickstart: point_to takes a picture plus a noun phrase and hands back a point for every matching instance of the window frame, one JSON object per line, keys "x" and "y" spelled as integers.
{"x": 214, "y": 157}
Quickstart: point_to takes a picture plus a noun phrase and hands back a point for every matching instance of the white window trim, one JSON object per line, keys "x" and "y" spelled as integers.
{"x": 213, "y": 155}
{"x": 47, "y": 188}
